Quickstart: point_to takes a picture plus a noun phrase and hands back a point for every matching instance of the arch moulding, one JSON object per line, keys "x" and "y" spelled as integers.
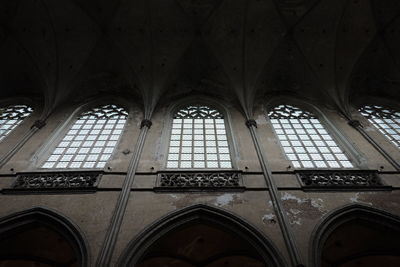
{"x": 59, "y": 223}
{"x": 204, "y": 214}
{"x": 341, "y": 216}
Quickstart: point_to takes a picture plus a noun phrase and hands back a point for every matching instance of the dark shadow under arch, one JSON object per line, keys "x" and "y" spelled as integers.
{"x": 48, "y": 221}
{"x": 355, "y": 216}
{"x": 206, "y": 215}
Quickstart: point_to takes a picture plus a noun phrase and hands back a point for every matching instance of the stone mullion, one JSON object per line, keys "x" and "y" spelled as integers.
{"x": 78, "y": 148}
{"x": 192, "y": 147}
{"x": 314, "y": 142}
{"x": 101, "y": 153}
{"x": 181, "y": 144}
{"x": 298, "y": 139}
{"x": 97, "y": 139}
{"x": 205, "y": 144}
{"x": 216, "y": 143}
{"x": 81, "y": 146}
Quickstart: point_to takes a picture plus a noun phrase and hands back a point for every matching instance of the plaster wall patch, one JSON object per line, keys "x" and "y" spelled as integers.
{"x": 295, "y": 211}
{"x": 173, "y": 196}
{"x": 268, "y": 216}
{"x": 356, "y": 199}
{"x": 224, "y": 200}
{"x": 288, "y": 196}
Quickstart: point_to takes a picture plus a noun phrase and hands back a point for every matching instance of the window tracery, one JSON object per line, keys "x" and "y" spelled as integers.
{"x": 11, "y": 117}
{"x": 198, "y": 139}
{"x": 91, "y": 140}
{"x": 386, "y": 120}
{"x": 305, "y": 141}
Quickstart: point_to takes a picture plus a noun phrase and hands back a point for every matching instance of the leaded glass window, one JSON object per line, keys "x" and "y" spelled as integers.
{"x": 386, "y": 120}
{"x": 305, "y": 141}
{"x": 91, "y": 140}
{"x": 11, "y": 117}
{"x": 198, "y": 139}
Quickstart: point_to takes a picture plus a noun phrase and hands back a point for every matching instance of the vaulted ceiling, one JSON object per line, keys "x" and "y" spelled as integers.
{"x": 332, "y": 51}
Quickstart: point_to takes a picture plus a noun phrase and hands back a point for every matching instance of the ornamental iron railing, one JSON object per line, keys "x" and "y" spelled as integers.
{"x": 326, "y": 179}
{"x": 200, "y": 181}
{"x": 49, "y": 181}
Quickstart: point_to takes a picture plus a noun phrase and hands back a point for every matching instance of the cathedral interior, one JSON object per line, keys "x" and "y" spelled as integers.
{"x": 200, "y": 133}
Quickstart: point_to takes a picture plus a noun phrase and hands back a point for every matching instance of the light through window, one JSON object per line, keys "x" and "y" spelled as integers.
{"x": 198, "y": 139}
{"x": 386, "y": 120}
{"x": 304, "y": 139}
{"x": 91, "y": 140}
{"x": 11, "y": 117}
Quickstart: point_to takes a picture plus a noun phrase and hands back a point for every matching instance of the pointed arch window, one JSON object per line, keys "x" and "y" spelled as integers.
{"x": 91, "y": 140}
{"x": 11, "y": 117}
{"x": 198, "y": 139}
{"x": 385, "y": 119}
{"x": 305, "y": 141}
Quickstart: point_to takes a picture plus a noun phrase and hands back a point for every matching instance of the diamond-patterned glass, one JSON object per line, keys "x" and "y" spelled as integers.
{"x": 11, "y": 117}
{"x": 305, "y": 141}
{"x": 91, "y": 140}
{"x": 386, "y": 120}
{"x": 198, "y": 139}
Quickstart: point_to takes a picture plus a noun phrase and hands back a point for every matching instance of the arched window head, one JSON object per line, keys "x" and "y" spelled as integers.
{"x": 386, "y": 120}
{"x": 11, "y": 116}
{"x": 306, "y": 142}
{"x": 91, "y": 140}
{"x": 198, "y": 139}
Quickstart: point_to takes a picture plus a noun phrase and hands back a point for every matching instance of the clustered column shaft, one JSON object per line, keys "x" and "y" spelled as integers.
{"x": 107, "y": 249}
{"x": 275, "y": 197}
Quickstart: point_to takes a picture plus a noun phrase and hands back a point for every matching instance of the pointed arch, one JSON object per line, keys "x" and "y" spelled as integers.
{"x": 137, "y": 248}
{"x": 16, "y": 223}
{"x": 342, "y": 216}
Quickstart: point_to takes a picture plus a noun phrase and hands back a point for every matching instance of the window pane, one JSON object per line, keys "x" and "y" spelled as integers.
{"x": 11, "y": 117}
{"x": 226, "y": 164}
{"x": 386, "y": 120}
{"x": 203, "y": 138}
{"x": 199, "y": 164}
{"x": 94, "y": 132}
{"x": 172, "y": 164}
{"x": 310, "y": 145}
